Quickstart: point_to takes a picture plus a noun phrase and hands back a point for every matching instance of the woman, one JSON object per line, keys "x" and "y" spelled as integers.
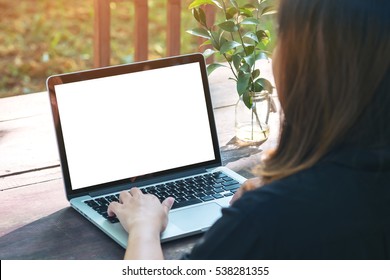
{"x": 324, "y": 192}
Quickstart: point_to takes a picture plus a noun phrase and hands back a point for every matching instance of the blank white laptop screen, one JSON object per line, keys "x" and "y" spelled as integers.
{"x": 134, "y": 124}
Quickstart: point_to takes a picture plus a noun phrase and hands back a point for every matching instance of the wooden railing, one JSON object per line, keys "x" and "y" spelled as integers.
{"x": 102, "y": 29}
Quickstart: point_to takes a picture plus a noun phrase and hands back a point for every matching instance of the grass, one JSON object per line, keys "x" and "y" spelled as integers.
{"x": 41, "y": 38}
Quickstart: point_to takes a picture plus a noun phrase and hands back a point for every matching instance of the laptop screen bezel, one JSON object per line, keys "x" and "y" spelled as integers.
{"x": 54, "y": 80}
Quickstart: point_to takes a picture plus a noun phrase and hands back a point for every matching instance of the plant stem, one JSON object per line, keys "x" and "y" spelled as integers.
{"x": 224, "y": 8}
{"x": 258, "y": 18}
{"x": 254, "y": 111}
{"x": 268, "y": 107}
{"x": 231, "y": 67}
{"x": 240, "y": 35}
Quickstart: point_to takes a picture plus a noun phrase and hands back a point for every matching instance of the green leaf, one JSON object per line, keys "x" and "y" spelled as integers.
{"x": 195, "y": 13}
{"x": 264, "y": 36}
{"x": 229, "y": 45}
{"x": 249, "y": 7}
{"x": 200, "y": 32}
{"x": 243, "y": 82}
{"x": 251, "y": 35}
{"x": 208, "y": 52}
{"x": 257, "y": 87}
{"x": 202, "y": 17}
{"x": 249, "y": 49}
{"x": 217, "y": 3}
{"x": 228, "y": 26}
{"x": 222, "y": 39}
{"x": 215, "y": 39}
{"x": 197, "y": 3}
{"x": 250, "y": 21}
{"x": 230, "y": 13}
{"x": 247, "y": 98}
{"x": 206, "y": 43}
{"x": 269, "y": 10}
{"x": 213, "y": 66}
{"x": 261, "y": 34}
{"x": 245, "y": 68}
{"x": 250, "y": 60}
{"x": 261, "y": 55}
{"x": 237, "y": 61}
{"x": 234, "y": 3}
{"x": 228, "y": 56}
{"x": 246, "y": 12}
{"x": 265, "y": 84}
{"x": 240, "y": 50}
{"x": 265, "y": 41}
{"x": 255, "y": 74}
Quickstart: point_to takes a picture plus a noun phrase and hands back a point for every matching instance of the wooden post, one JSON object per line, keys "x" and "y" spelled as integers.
{"x": 101, "y": 44}
{"x": 173, "y": 27}
{"x": 141, "y": 30}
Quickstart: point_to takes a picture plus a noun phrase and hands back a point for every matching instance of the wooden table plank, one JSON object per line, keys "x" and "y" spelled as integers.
{"x": 31, "y": 178}
{"x": 27, "y": 139}
{"x": 23, "y": 205}
{"x": 27, "y": 144}
{"x": 65, "y": 235}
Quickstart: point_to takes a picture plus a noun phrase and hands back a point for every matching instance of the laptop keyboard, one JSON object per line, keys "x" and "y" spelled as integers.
{"x": 186, "y": 192}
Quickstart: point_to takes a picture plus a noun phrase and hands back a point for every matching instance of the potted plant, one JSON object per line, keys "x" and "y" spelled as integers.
{"x": 240, "y": 41}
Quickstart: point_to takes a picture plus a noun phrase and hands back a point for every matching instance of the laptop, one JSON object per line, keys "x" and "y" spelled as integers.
{"x": 150, "y": 125}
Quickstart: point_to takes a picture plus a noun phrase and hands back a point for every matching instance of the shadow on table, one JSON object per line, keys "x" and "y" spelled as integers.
{"x": 66, "y": 235}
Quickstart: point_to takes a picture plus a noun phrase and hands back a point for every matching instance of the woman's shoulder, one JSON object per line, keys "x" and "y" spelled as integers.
{"x": 336, "y": 181}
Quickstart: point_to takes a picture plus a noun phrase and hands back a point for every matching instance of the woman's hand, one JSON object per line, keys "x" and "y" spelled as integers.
{"x": 136, "y": 210}
{"x": 144, "y": 218}
{"x": 248, "y": 185}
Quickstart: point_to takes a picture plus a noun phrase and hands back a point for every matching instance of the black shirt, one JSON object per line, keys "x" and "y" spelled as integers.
{"x": 338, "y": 209}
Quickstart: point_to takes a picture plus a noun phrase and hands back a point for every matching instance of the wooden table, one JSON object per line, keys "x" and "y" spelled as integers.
{"x": 36, "y": 220}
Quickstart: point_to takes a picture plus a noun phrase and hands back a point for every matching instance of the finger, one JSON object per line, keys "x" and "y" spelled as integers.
{"x": 167, "y": 204}
{"x": 251, "y": 184}
{"x": 248, "y": 185}
{"x": 135, "y": 192}
{"x": 236, "y": 196}
{"x": 113, "y": 208}
{"x": 123, "y": 196}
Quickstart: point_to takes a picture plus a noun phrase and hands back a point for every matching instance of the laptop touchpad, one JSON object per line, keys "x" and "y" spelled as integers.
{"x": 197, "y": 217}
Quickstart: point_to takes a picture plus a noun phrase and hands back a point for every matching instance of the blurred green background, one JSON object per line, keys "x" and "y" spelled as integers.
{"x": 45, "y": 37}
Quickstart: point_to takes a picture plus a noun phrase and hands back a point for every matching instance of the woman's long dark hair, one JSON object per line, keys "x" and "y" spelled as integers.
{"x": 332, "y": 78}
